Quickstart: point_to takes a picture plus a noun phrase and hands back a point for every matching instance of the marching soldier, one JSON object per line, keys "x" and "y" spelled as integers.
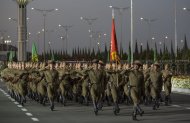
{"x": 65, "y": 85}
{"x": 51, "y": 77}
{"x": 97, "y": 80}
{"x": 146, "y": 72}
{"x": 20, "y": 83}
{"x": 136, "y": 85}
{"x": 113, "y": 86}
{"x": 167, "y": 75}
{"x": 156, "y": 83}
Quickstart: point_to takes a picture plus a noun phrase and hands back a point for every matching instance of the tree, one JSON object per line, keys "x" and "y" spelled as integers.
{"x": 172, "y": 56}
{"x": 136, "y": 56}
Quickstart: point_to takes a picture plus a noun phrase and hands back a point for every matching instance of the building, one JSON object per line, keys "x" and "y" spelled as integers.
{"x": 4, "y": 51}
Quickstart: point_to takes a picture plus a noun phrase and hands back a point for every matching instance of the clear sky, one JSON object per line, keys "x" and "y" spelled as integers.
{"x": 70, "y": 12}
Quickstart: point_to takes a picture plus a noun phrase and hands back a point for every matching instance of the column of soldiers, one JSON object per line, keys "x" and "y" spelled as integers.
{"x": 94, "y": 82}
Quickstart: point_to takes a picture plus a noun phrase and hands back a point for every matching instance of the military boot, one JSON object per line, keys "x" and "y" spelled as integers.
{"x": 140, "y": 111}
{"x": 134, "y": 114}
{"x": 116, "y": 108}
{"x": 86, "y": 100}
{"x": 63, "y": 101}
{"x": 166, "y": 100}
{"x": 95, "y": 108}
{"x": 51, "y": 105}
{"x": 146, "y": 100}
{"x": 154, "y": 105}
{"x": 109, "y": 100}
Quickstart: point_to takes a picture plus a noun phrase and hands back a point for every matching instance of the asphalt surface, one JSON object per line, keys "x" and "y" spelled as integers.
{"x": 12, "y": 112}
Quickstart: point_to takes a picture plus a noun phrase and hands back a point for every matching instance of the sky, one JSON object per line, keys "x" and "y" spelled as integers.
{"x": 70, "y": 11}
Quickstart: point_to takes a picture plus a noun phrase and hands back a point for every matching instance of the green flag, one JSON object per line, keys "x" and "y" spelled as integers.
{"x": 34, "y": 53}
{"x": 11, "y": 56}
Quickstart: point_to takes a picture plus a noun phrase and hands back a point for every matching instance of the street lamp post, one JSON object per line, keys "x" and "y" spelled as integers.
{"x": 66, "y": 27}
{"x": 148, "y": 21}
{"x": 89, "y": 21}
{"x": 44, "y": 13}
{"x": 28, "y": 45}
{"x": 63, "y": 39}
{"x": 131, "y": 31}
{"x": 38, "y": 39}
{"x": 120, "y": 10}
{"x": 175, "y": 22}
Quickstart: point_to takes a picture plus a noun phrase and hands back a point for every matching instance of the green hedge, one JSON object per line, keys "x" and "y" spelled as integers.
{"x": 181, "y": 82}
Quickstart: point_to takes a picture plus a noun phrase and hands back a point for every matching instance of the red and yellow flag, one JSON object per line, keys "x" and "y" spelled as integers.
{"x": 114, "y": 49}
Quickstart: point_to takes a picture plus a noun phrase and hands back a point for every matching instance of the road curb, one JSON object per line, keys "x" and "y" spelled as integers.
{"x": 181, "y": 90}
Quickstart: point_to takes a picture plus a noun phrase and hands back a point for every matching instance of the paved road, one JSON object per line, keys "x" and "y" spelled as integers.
{"x": 12, "y": 112}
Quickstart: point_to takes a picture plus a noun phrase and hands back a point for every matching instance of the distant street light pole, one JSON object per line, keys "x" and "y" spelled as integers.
{"x": 120, "y": 10}
{"x": 89, "y": 21}
{"x": 149, "y": 21}
{"x": 38, "y": 39}
{"x": 175, "y": 21}
{"x": 66, "y": 27}
{"x": 44, "y": 13}
{"x": 63, "y": 39}
{"x": 131, "y": 31}
{"x": 28, "y": 45}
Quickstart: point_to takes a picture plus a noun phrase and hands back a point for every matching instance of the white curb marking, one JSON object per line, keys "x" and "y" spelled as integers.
{"x": 16, "y": 103}
{"x": 29, "y": 114}
{"x": 20, "y": 106}
{"x": 23, "y": 109}
{"x": 176, "y": 105}
{"x": 35, "y": 119}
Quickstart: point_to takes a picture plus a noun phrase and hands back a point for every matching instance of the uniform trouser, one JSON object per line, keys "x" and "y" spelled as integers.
{"x": 147, "y": 90}
{"x": 22, "y": 88}
{"x": 64, "y": 87}
{"x": 112, "y": 91}
{"x": 50, "y": 91}
{"x": 135, "y": 95}
{"x": 85, "y": 89}
{"x": 167, "y": 88}
{"x": 155, "y": 92}
{"x": 126, "y": 90}
{"x": 95, "y": 92}
{"x": 41, "y": 89}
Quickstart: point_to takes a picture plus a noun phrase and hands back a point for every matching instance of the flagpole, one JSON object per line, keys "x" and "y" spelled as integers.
{"x": 131, "y": 31}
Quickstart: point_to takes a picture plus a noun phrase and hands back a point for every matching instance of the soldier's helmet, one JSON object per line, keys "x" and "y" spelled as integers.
{"x": 95, "y": 61}
{"x": 157, "y": 64}
{"x": 137, "y": 62}
{"x": 101, "y": 63}
{"x": 51, "y": 62}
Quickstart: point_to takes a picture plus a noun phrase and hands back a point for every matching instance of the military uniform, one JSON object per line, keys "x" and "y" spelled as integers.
{"x": 167, "y": 75}
{"x": 98, "y": 84}
{"x": 51, "y": 78}
{"x": 113, "y": 85}
{"x": 65, "y": 85}
{"x": 156, "y": 83}
{"x": 146, "y": 73}
{"x": 136, "y": 87}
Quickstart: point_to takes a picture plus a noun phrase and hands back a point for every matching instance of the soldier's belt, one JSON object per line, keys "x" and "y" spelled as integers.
{"x": 130, "y": 86}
